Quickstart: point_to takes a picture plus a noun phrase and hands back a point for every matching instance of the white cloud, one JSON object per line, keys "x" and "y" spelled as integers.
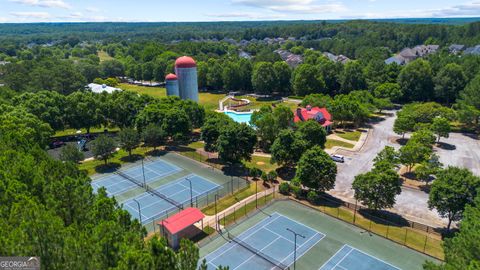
{"x": 31, "y": 15}
{"x": 92, "y": 9}
{"x": 468, "y": 9}
{"x": 44, "y": 3}
{"x": 294, "y": 6}
{"x": 246, "y": 15}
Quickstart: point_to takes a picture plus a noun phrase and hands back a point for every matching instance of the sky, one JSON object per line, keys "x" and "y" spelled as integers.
{"x": 16, "y": 11}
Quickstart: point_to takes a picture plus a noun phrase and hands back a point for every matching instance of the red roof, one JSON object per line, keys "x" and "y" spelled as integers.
{"x": 171, "y": 77}
{"x": 185, "y": 62}
{"x": 310, "y": 114}
{"x": 182, "y": 220}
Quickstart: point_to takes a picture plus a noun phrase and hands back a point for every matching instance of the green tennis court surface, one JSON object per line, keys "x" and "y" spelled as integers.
{"x": 267, "y": 245}
{"x": 343, "y": 246}
{"x": 116, "y": 184}
{"x": 349, "y": 258}
{"x": 152, "y": 207}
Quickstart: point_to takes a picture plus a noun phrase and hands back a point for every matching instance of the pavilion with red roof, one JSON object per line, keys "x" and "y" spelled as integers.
{"x": 321, "y": 115}
{"x": 181, "y": 225}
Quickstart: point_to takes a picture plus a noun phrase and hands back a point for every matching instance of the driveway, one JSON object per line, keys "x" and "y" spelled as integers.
{"x": 411, "y": 203}
{"x": 461, "y": 150}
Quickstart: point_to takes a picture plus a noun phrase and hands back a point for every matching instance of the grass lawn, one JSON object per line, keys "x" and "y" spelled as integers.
{"x": 331, "y": 143}
{"x": 103, "y": 55}
{"x": 121, "y": 157}
{"x": 228, "y": 201}
{"x": 157, "y": 92}
{"x": 244, "y": 210}
{"x": 209, "y": 100}
{"x": 263, "y": 163}
{"x": 72, "y": 131}
{"x": 349, "y": 135}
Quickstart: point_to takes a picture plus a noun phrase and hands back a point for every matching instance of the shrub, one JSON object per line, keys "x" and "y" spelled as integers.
{"x": 312, "y": 196}
{"x": 284, "y": 188}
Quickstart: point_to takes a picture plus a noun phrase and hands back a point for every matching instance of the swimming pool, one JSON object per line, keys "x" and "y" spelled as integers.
{"x": 243, "y": 117}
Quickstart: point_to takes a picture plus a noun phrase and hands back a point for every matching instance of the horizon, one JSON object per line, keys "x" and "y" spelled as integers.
{"x": 69, "y": 11}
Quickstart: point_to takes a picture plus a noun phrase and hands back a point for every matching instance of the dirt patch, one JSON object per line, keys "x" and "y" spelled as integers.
{"x": 260, "y": 163}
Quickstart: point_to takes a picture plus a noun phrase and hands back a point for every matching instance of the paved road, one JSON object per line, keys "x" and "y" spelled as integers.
{"x": 411, "y": 203}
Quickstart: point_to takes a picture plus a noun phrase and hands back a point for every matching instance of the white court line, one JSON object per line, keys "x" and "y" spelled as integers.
{"x": 298, "y": 222}
{"x": 254, "y": 254}
{"x": 338, "y": 251}
{"x": 235, "y": 244}
{"x": 343, "y": 258}
{"x": 305, "y": 252}
{"x": 135, "y": 210}
{"x": 374, "y": 257}
{"x": 280, "y": 235}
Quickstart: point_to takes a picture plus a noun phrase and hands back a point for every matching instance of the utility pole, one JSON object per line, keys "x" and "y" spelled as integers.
{"x": 191, "y": 191}
{"x": 216, "y": 220}
{"x": 295, "y": 247}
{"x": 139, "y": 211}
{"x": 143, "y": 172}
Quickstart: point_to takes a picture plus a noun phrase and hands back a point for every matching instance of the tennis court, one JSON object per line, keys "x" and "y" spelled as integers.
{"x": 266, "y": 245}
{"x": 116, "y": 184}
{"x": 177, "y": 191}
{"x": 349, "y": 258}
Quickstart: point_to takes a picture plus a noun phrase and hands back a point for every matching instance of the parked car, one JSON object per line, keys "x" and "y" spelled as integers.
{"x": 338, "y": 158}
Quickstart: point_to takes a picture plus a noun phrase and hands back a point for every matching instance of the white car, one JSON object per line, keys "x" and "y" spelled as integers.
{"x": 338, "y": 158}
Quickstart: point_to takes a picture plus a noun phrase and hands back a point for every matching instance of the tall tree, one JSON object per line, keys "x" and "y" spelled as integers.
{"x": 129, "y": 139}
{"x": 416, "y": 81}
{"x": 378, "y": 188}
{"x": 103, "y": 147}
{"x": 153, "y": 136}
{"x": 236, "y": 142}
{"x": 449, "y": 81}
{"x": 287, "y": 148}
{"x": 307, "y": 80}
{"x": 313, "y": 133}
{"x": 264, "y": 81}
{"x": 441, "y": 127}
{"x": 283, "y": 75}
{"x": 316, "y": 170}
{"x": 450, "y": 193}
{"x": 352, "y": 77}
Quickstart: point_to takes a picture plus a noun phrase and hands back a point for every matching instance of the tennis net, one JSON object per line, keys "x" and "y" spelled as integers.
{"x": 131, "y": 179}
{"x": 257, "y": 252}
{"x": 158, "y": 194}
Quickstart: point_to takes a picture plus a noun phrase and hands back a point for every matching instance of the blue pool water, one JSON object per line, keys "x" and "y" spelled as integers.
{"x": 240, "y": 117}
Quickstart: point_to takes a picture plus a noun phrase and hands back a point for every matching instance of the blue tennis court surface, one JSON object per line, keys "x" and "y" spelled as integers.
{"x": 115, "y": 184}
{"x": 349, "y": 258}
{"x": 153, "y": 207}
{"x": 269, "y": 237}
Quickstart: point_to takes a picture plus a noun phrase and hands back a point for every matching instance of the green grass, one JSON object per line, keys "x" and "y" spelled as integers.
{"x": 263, "y": 163}
{"x": 230, "y": 200}
{"x": 92, "y": 167}
{"x": 244, "y": 210}
{"x": 72, "y": 131}
{"x": 349, "y": 135}
{"x": 156, "y": 92}
{"x": 104, "y": 56}
{"x": 331, "y": 143}
{"x": 196, "y": 145}
{"x": 209, "y": 100}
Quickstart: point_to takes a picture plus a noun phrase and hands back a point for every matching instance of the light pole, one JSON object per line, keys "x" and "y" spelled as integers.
{"x": 139, "y": 211}
{"x": 216, "y": 223}
{"x": 143, "y": 172}
{"x": 191, "y": 191}
{"x": 256, "y": 194}
{"x": 295, "y": 248}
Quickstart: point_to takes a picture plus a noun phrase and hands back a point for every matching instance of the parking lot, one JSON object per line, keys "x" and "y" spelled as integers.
{"x": 462, "y": 151}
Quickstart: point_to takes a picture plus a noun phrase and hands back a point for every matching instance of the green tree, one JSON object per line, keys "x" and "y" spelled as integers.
{"x": 387, "y": 156}
{"x": 236, "y": 142}
{"x": 129, "y": 139}
{"x": 71, "y": 153}
{"x": 283, "y": 117}
{"x": 424, "y": 137}
{"x": 391, "y": 91}
{"x": 231, "y": 76}
{"x": 103, "y": 148}
{"x": 449, "y": 81}
{"x": 461, "y": 250}
{"x": 403, "y": 124}
{"x": 153, "y": 136}
{"x": 83, "y": 110}
{"x": 453, "y": 189}
{"x": 307, "y": 80}
{"x": 112, "y": 68}
{"x": 264, "y": 81}
{"x": 48, "y": 106}
{"x": 441, "y": 127}
{"x": 313, "y": 133}
{"x": 416, "y": 81}
{"x": 413, "y": 153}
{"x": 187, "y": 255}
{"x": 378, "y": 188}
{"x": 469, "y": 103}
{"x": 316, "y": 170}
{"x": 283, "y": 74}
{"x": 212, "y": 128}
{"x": 352, "y": 77}
{"x": 287, "y": 148}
